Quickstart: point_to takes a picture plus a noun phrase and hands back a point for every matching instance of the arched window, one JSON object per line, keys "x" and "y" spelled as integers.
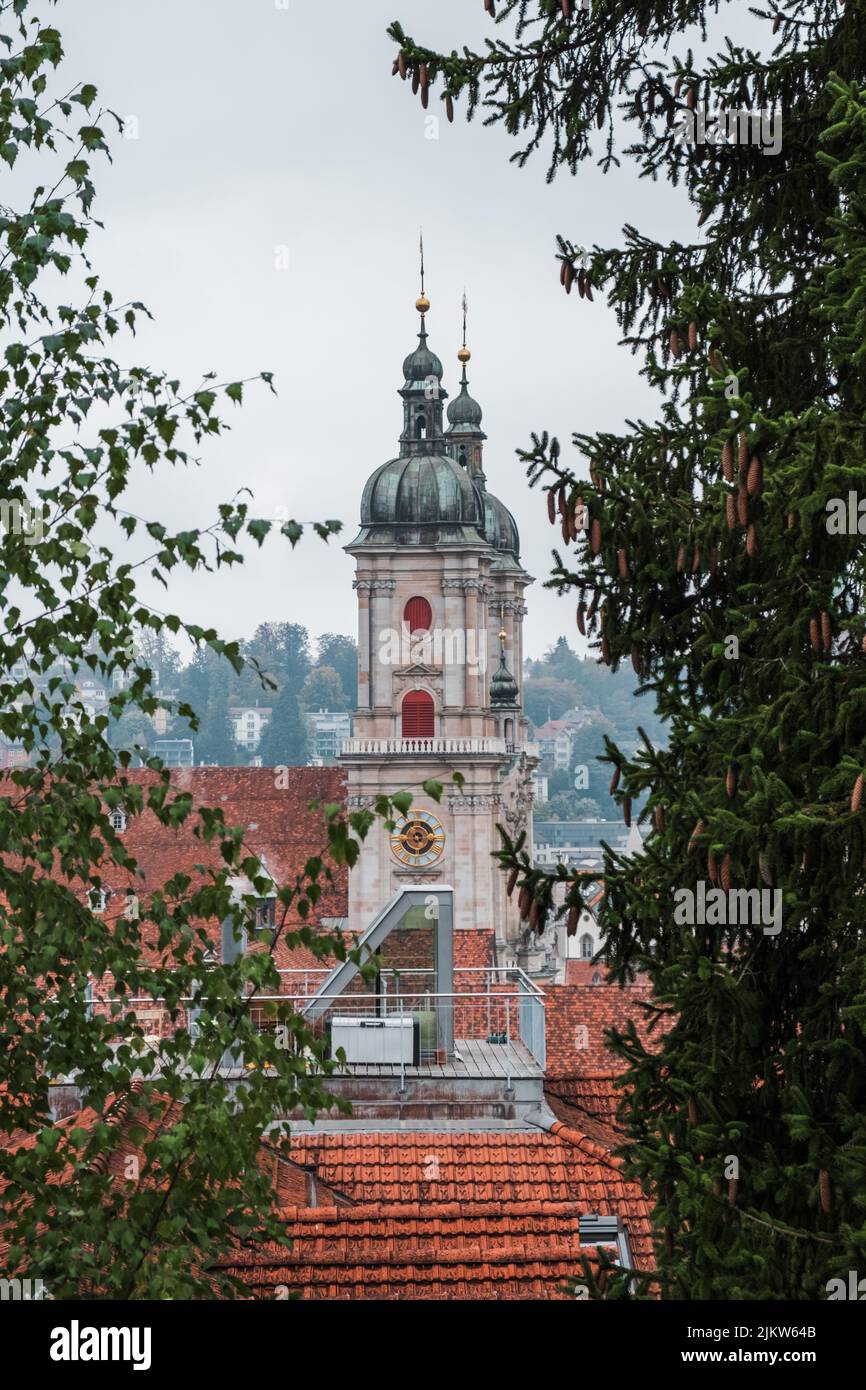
{"x": 586, "y": 952}
{"x": 418, "y": 615}
{"x": 417, "y": 721}
{"x": 462, "y": 457}
{"x": 421, "y": 427}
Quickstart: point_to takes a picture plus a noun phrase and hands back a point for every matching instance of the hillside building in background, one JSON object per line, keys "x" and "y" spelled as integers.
{"x": 329, "y": 730}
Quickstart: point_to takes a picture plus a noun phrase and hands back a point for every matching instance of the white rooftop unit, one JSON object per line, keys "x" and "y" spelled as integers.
{"x": 373, "y": 1039}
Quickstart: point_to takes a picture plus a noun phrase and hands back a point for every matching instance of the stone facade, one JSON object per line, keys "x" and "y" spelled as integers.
{"x": 431, "y": 532}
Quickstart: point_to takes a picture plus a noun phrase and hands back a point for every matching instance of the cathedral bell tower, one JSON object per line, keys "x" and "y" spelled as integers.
{"x": 440, "y": 650}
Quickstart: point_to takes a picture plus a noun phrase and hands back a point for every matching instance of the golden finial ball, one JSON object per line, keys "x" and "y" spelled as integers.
{"x": 422, "y": 304}
{"x": 463, "y": 354}
{"x": 502, "y": 635}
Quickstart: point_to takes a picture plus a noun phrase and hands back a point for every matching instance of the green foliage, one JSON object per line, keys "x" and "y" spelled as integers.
{"x": 748, "y": 1123}
{"x": 75, "y": 425}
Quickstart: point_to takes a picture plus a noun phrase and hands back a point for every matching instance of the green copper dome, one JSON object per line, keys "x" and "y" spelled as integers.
{"x": 422, "y": 364}
{"x": 500, "y": 528}
{"x": 464, "y": 413}
{"x": 421, "y": 497}
{"x": 503, "y": 687}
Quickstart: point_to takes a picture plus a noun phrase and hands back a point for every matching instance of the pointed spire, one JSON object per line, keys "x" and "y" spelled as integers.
{"x": 503, "y": 687}
{"x": 464, "y": 414}
{"x": 422, "y": 303}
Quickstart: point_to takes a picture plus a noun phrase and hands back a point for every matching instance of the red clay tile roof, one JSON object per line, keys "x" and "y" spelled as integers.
{"x": 279, "y": 827}
{"x": 430, "y": 1251}
{"x": 478, "y": 1215}
{"x": 596, "y": 1097}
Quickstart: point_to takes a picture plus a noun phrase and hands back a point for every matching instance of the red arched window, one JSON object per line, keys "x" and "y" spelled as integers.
{"x": 417, "y": 715}
{"x": 418, "y": 615}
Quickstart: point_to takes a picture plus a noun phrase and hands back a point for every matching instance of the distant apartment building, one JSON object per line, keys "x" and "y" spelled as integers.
{"x": 540, "y": 787}
{"x": 577, "y": 844}
{"x": 248, "y": 724}
{"x": 328, "y": 729}
{"x": 555, "y": 740}
{"x": 175, "y": 752}
{"x": 12, "y": 754}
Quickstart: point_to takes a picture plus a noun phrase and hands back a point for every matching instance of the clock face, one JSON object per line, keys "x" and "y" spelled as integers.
{"x": 418, "y": 839}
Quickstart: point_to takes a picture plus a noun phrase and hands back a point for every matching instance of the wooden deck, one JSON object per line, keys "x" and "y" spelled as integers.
{"x": 472, "y": 1058}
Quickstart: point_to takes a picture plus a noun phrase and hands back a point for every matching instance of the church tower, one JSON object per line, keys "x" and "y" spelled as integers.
{"x": 440, "y": 651}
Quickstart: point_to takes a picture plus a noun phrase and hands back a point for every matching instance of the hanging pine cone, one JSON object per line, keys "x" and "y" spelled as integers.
{"x": 691, "y": 98}
{"x": 659, "y": 816}
{"x": 693, "y": 838}
{"x": 713, "y": 357}
{"x": 395, "y": 68}
{"x": 791, "y": 521}
{"x": 693, "y": 336}
{"x": 733, "y": 1188}
{"x": 512, "y": 881}
{"x": 489, "y": 6}
{"x": 581, "y": 624}
{"x": 755, "y": 481}
{"x": 614, "y": 781}
{"x": 674, "y": 341}
{"x": 744, "y": 455}
{"x": 696, "y": 560}
{"x": 551, "y": 506}
{"x": 581, "y": 283}
{"x": 693, "y": 1111}
{"x": 593, "y": 607}
{"x": 825, "y": 1192}
{"x": 863, "y": 643}
{"x": 814, "y": 635}
{"x": 753, "y": 543}
{"x": 742, "y": 505}
{"x": 622, "y": 564}
{"x": 857, "y": 794}
{"x": 573, "y": 919}
{"x": 725, "y": 874}
{"x": 681, "y": 559}
{"x": 626, "y": 811}
{"x": 422, "y": 74}
{"x": 416, "y": 81}
{"x": 713, "y": 868}
{"x": 826, "y": 633}
{"x": 425, "y": 97}
{"x": 731, "y": 782}
{"x": 561, "y": 500}
{"x": 730, "y": 511}
{"x": 524, "y": 901}
{"x": 728, "y": 462}
{"x": 401, "y": 66}
{"x": 449, "y": 108}
{"x": 565, "y": 528}
{"x": 569, "y": 277}
{"x": 595, "y": 536}
{"x": 635, "y": 659}
{"x": 536, "y": 917}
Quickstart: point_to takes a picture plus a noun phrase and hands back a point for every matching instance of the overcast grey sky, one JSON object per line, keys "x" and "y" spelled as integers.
{"x": 261, "y": 127}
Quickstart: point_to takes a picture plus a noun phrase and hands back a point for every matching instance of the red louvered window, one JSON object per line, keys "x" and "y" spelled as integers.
{"x": 418, "y": 615}
{"x": 417, "y": 715}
